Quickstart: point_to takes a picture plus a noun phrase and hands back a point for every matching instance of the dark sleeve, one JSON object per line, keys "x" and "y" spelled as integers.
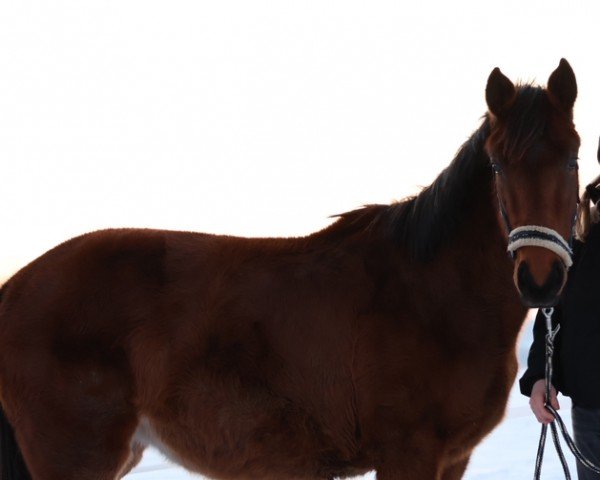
{"x": 537, "y": 353}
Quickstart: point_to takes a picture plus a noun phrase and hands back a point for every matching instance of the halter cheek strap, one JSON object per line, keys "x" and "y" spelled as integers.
{"x": 537, "y": 236}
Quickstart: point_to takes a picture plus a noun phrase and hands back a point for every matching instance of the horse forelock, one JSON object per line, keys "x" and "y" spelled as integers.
{"x": 525, "y": 123}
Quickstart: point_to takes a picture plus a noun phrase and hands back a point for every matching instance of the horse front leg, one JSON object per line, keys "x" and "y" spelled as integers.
{"x": 422, "y": 471}
{"x": 456, "y": 470}
{"x": 422, "y": 462}
{"x": 424, "y": 468}
{"x": 413, "y": 469}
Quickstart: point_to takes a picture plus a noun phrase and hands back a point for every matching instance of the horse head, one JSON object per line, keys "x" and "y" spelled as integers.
{"x": 533, "y": 149}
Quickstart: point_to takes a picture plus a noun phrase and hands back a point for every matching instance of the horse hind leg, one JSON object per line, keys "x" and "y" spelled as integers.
{"x": 59, "y": 448}
{"x": 12, "y": 465}
{"x": 74, "y": 423}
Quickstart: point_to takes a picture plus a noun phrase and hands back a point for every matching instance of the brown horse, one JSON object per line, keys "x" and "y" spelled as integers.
{"x": 385, "y": 341}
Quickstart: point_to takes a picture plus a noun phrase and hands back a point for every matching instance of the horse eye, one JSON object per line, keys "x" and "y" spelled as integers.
{"x": 496, "y": 167}
{"x": 573, "y": 165}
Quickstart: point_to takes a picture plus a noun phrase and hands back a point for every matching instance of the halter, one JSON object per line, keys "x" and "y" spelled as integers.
{"x": 538, "y": 236}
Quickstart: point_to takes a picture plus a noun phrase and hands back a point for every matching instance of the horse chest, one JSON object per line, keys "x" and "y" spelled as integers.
{"x": 475, "y": 414}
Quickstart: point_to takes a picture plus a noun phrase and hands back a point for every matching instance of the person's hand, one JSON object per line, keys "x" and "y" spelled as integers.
{"x": 537, "y": 400}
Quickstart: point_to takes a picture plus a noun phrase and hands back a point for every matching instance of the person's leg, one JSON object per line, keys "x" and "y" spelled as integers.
{"x": 586, "y": 432}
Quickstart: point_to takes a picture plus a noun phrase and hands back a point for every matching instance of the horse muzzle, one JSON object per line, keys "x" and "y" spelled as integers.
{"x": 536, "y": 295}
{"x": 539, "y": 275}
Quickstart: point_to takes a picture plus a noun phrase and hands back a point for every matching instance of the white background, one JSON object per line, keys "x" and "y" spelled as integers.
{"x": 253, "y": 117}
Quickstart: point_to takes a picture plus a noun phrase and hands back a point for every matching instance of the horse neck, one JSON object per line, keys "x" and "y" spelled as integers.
{"x": 464, "y": 260}
{"x": 483, "y": 287}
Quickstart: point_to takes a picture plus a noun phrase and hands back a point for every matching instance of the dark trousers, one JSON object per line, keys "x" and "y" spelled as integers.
{"x": 586, "y": 432}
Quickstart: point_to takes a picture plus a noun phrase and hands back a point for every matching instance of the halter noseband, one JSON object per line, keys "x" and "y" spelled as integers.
{"x": 537, "y": 236}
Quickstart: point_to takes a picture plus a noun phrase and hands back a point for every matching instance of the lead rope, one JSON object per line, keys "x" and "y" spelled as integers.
{"x": 550, "y": 335}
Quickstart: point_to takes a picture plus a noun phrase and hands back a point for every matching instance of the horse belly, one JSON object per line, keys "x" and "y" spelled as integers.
{"x": 243, "y": 438}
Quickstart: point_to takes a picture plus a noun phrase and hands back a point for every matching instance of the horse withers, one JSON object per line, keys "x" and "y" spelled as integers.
{"x": 384, "y": 342}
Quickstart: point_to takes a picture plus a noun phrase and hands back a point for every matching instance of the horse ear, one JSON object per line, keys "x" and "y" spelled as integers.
{"x": 563, "y": 86}
{"x": 499, "y": 92}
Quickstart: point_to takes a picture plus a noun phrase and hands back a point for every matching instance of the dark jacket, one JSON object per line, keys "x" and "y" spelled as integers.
{"x": 577, "y": 346}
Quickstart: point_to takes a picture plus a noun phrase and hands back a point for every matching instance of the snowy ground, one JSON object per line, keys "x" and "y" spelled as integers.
{"x": 507, "y": 453}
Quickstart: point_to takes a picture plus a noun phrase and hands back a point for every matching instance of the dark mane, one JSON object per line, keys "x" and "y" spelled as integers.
{"x": 422, "y": 222}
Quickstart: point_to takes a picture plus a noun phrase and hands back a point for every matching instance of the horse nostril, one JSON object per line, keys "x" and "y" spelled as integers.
{"x": 557, "y": 274}
{"x": 535, "y": 295}
{"x": 524, "y": 276}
